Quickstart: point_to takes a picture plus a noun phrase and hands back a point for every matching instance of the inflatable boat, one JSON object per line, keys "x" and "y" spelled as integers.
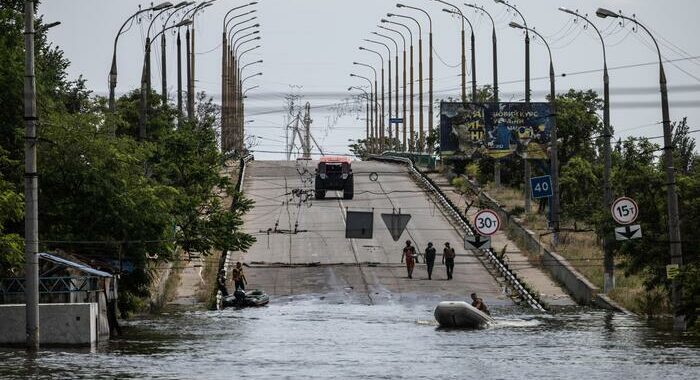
{"x": 458, "y": 314}
{"x": 251, "y": 298}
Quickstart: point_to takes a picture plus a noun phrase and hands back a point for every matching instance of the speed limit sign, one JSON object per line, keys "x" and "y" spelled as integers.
{"x": 487, "y": 222}
{"x": 625, "y": 210}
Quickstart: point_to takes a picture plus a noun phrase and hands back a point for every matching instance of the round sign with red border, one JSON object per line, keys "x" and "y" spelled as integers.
{"x": 625, "y": 210}
{"x": 487, "y": 222}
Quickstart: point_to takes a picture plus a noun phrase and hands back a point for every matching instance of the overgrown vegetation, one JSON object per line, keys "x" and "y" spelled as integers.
{"x": 103, "y": 196}
{"x": 638, "y": 171}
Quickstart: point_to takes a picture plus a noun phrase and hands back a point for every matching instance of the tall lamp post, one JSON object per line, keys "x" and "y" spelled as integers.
{"x": 373, "y": 102}
{"x": 397, "y": 145}
{"x": 494, "y": 45}
{"x": 674, "y": 231}
{"x": 380, "y": 131}
{"x": 232, "y": 79}
{"x": 401, "y": 141}
{"x": 412, "y": 131}
{"x": 239, "y": 132}
{"x": 459, "y": 13}
{"x": 526, "y": 163}
{"x": 374, "y": 133}
{"x": 113, "y": 69}
{"x": 163, "y": 55}
{"x": 389, "y": 92}
{"x": 430, "y": 71}
{"x": 554, "y": 148}
{"x": 145, "y": 88}
{"x": 367, "y": 107}
{"x": 464, "y": 53}
{"x": 421, "y": 132}
{"x": 609, "y": 262}
{"x": 191, "y": 72}
{"x": 225, "y": 107}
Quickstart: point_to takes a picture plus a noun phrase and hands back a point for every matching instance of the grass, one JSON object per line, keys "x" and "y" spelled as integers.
{"x": 583, "y": 251}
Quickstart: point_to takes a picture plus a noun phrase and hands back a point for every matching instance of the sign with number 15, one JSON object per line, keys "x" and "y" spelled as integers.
{"x": 625, "y": 210}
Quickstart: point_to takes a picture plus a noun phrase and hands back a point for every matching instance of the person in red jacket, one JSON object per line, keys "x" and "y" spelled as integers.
{"x": 409, "y": 254}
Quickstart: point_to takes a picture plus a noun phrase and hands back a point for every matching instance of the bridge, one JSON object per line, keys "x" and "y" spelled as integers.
{"x": 301, "y": 249}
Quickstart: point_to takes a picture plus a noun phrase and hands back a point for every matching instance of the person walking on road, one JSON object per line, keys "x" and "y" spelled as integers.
{"x": 409, "y": 254}
{"x": 448, "y": 258}
{"x": 430, "y": 254}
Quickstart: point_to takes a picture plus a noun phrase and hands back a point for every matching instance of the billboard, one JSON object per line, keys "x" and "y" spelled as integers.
{"x": 495, "y": 129}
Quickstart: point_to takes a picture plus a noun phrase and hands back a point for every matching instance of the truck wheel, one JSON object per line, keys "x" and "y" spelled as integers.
{"x": 349, "y": 190}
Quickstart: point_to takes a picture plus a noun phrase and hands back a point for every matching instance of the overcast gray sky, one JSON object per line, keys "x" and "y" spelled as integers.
{"x": 312, "y": 44}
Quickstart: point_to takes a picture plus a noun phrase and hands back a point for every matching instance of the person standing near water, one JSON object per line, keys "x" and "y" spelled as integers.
{"x": 448, "y": 258}
{"x": 409, "y": 254}
{"x": 240, "y": 281}
{"x": 430, "y": 254}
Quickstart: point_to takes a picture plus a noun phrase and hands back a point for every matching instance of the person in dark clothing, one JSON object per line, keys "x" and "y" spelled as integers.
{"x": 448, "y": 258}
{"x": 409, "y": 253}
{"x": 479, "y": 304}
{"x": 430, "y": 254}
{"x": 239, "y": 279}
{"x": 221, "y": 282}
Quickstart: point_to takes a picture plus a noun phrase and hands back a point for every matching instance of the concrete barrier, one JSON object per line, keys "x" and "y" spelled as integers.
{"x": 60, "y": 324}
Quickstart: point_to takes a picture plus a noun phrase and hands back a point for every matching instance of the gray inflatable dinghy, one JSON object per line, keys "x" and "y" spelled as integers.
{"x": 458, "y": 314}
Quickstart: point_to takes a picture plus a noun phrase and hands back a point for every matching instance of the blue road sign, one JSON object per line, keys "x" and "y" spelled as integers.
{"x": 396, "y": 120}
{"x": 541, "y": 187}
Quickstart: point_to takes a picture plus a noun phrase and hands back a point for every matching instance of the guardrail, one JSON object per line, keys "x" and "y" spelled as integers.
{"x": 447, "y": 204}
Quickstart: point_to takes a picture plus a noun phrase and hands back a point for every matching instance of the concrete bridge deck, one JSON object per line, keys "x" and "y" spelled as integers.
{"x": 321, "y": 262}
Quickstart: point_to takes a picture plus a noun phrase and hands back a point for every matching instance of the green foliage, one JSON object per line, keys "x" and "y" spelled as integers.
{"x": 104, "y": 197}
{"x": 580, "y": 189}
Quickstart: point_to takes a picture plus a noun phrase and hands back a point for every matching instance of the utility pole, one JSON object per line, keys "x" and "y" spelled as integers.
{"x": 31, "y": 186}
{"x": 179, "y": 79}
{"x": 163, "y": 71}
{"x": 191, "y": 74}
{"x": 307, "y": 131}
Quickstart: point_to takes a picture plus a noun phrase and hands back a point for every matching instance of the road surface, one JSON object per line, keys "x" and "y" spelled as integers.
{"x": 318, "y": 260}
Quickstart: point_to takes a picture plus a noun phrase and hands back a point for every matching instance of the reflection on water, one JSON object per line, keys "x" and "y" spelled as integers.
{"x": 311, "y": 339}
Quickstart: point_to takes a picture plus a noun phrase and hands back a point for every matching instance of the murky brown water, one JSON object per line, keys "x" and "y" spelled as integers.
{"x": 312, "y": 339}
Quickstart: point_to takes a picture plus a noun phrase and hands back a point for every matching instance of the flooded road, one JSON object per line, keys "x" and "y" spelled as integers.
{"x": 312, "y": 339}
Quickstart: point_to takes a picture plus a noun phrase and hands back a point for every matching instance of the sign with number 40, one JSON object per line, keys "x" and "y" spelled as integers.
{"x": 625, "y": 210}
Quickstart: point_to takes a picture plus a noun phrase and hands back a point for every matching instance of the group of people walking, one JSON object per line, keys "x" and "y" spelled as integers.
{"x": 410, "y": 256}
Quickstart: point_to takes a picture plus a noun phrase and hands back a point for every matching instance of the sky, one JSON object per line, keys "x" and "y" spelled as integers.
{"x": 309, "y": 46}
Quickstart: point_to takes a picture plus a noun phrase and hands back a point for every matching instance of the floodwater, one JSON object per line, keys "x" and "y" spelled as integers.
{"x": 312, "y": 339}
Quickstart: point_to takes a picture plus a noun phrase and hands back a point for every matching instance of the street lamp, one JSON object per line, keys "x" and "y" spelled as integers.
{"x": 402, "y": 141}
{"x": 430, "y": 70}
{"x": 494, "y": 43}
{"x": 373, "y": 102}
{"x": 380, "y": 116}
{"x": 163, "y": 55}
{"x": 526, "y": 163}
{"x": 191, "y": 72}
{"x": 674, "y": 231}
{"x": 389, "y": 93}
{"x": 464, "y": 52}
{"x": 231, "y": 116}
{"x": 396, "y": 81}
{"x": 473, "y": 48}
{"x": 375, "y": 126}
{"x": 367, "y": 108}
{"x": 421, "y": 131}
{"x": 145, "y": 90}
{"x": 609, "y": 263}
{"x": 113, "y": 69}
{"x": 411, "y": 144}
{"x": 554, "y": 162}
{"x": 244, "y": 95}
